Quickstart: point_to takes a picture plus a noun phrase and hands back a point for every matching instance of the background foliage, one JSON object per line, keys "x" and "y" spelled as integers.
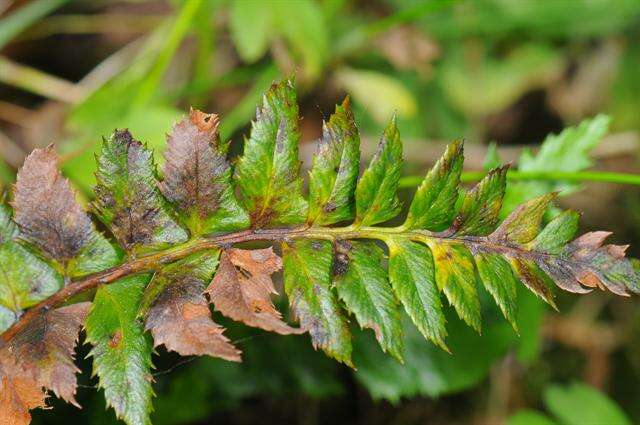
{"x": 493, "y": 70}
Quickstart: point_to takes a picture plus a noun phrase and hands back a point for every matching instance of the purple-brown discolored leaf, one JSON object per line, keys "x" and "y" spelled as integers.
{"x": 594, "y": 265}
{"x": 197, "y": 176}
{"x": 180, "y": 319}
{"x": 50, "y": 218}
{"x": 242, "y": 289}
{"x": 177, "y": 312}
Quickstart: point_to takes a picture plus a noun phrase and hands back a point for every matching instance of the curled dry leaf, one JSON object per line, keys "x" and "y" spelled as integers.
{"x": 40, "y": 358}
{"x": 242, "y": 287}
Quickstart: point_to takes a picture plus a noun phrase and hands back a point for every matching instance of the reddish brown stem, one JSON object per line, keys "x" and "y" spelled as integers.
{"x": 143, "y": 264}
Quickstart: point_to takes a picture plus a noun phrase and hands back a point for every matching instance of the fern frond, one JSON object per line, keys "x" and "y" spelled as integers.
{"x": 173, "y": 254}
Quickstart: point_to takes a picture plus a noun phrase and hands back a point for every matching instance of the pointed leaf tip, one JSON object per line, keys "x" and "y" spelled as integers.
{"x": 433, "y": 205}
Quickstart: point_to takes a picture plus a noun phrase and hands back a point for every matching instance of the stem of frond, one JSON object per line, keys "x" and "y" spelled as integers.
{"x": 152, "y": 262}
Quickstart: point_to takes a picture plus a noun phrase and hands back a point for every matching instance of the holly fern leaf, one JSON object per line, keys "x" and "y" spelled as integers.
{"x": 168, "y": 256}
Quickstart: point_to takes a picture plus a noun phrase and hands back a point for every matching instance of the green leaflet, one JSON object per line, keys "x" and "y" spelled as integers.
{"x": 480, "y": 209}
{"x": 567, "y": 151}
{"x": 268, "y": 171}
{"x": 8, "y": 230}
{"x": 411, "y": 272}
{"x": 497, "y": 276}
{"x": 333, "y": 176}
{"x": 200, "y": 266}
{"x": 433, "y": 205}
{"x": 25, "y": 279}
{"x": 455, "y": 276}
{"x": 376, "y": 197}
{"x": 128, "y": 200}
{"x": 557, "y": 233}
{"x": 121, "y": 349}
{"x": 307, "y": 282}
{"x": 523, "y": 224}
{"x": 363, "y": 286}
{"x": 197, "y": 176}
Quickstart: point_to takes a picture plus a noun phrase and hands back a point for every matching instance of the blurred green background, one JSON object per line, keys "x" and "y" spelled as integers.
{"x": 501, "y": 73}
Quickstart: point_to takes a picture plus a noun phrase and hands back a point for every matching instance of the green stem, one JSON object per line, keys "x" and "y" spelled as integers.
{"x": 565, "y": 176}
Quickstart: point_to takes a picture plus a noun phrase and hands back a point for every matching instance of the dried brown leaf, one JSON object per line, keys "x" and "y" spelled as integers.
{"x": 180, "y": 319}
{"x": 242, "y": 289}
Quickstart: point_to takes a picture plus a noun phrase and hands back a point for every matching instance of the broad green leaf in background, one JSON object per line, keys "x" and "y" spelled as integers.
{"x": 428, "y": 370}
{"x": 251, "y": 28}
{"x": 580, "y": 404}
{"x": 497, "y": 82}
{"x": 573, "y": 404}
{"x": 380, "y": 94}
{"x": 254, "y": 25}
{"x": 302, "y": 25}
